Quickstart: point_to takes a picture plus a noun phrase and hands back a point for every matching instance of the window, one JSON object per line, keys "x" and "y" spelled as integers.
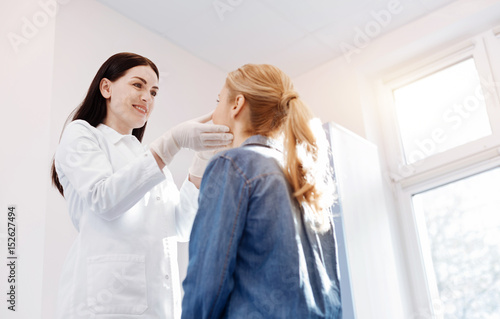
{"x": 441, "y": 111}
{"x": 446, "y": 107}
{"x": 441, "y": 121}
{"x": 462, "y": 224}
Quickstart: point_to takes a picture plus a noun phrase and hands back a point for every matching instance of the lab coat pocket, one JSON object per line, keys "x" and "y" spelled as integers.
{"x": 116, "y": 284}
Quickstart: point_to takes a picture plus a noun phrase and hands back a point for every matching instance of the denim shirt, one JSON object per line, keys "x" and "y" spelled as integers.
{"x": 251, "y": 252}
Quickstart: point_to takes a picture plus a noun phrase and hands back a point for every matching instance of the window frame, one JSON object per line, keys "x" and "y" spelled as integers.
{"x": 415, "y": 236}
{"x": 462, "y": 155}
{"x": 442, "y": 168}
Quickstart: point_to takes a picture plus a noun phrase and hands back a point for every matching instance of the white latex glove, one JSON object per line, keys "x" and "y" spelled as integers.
{"x": 200, "y": 162}
{"x": 194, "y": 134}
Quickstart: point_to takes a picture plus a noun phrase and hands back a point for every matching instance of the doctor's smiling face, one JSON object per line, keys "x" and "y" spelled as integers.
{"x": 130, "y": 99}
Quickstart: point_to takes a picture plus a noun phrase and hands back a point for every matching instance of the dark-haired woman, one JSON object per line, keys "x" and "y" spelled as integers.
{"x": 122, "y": 200}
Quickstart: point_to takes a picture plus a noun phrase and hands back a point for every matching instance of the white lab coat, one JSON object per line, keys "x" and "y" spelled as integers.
{"x": 129, "y": 215}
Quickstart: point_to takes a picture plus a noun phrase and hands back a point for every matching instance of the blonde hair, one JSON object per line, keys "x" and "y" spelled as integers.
{"x": 276, "y": 109}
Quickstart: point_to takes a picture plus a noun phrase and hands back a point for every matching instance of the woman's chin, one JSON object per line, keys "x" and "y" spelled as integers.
{"x": 140, "y": 124}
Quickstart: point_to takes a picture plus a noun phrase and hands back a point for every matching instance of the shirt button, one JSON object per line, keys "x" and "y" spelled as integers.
{"x": 167, "y": 277}
{"x": 158, "y": 198}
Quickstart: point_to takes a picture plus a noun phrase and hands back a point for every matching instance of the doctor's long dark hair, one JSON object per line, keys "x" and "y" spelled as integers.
{"x": 93, "y": 108}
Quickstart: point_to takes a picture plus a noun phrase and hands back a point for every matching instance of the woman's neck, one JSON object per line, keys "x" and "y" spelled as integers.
{"x": 239, "y": 139}
{"x": 240, "y": 135}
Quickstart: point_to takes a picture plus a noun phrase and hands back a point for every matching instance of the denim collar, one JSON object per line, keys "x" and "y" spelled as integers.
{"x": 261, "y": 140}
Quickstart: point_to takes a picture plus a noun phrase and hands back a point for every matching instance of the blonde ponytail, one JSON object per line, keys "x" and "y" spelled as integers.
{"x": 276, "y": 109}
{"x": 306, "y": 163}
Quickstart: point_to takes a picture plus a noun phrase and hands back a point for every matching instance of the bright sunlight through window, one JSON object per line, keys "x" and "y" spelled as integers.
{"x": 441, "y": 111}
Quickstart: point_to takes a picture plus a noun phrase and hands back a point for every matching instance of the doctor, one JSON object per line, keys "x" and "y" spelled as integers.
{"x": 122, "y": 200}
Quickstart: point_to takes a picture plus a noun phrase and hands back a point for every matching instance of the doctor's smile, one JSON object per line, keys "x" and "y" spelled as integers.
{"x": 141, "y": 108}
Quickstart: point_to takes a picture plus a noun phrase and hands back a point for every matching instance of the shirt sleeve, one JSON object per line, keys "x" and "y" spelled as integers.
{"x": 185, "y": 212}
{"x": 86, "y": 166}
{"x": 215, "y": 236}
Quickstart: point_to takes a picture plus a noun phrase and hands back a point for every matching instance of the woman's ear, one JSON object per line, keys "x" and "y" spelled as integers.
{"x": 105, "y": 87}
{"x": 239, "y": 106}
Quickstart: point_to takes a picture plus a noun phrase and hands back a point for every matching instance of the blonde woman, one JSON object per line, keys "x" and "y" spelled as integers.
{"x": 263, "y": 243}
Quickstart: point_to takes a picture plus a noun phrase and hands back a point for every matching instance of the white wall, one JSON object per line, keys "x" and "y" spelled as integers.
{"x": 87, "y": 33}
{"x": 25, "y": 87}
{"x": 332, "y": 92}
{"x": 343, "y": 91}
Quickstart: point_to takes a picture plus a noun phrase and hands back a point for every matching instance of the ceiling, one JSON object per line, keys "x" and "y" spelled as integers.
{"x": 295, "y": 35}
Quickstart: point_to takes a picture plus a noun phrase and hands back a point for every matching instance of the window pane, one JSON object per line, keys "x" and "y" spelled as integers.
{"x": 441, "y": 111}
{"x": 463, "y": 230}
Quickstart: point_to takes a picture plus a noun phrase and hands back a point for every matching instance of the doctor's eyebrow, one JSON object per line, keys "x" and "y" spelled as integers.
{"x": 145, "y": 82}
